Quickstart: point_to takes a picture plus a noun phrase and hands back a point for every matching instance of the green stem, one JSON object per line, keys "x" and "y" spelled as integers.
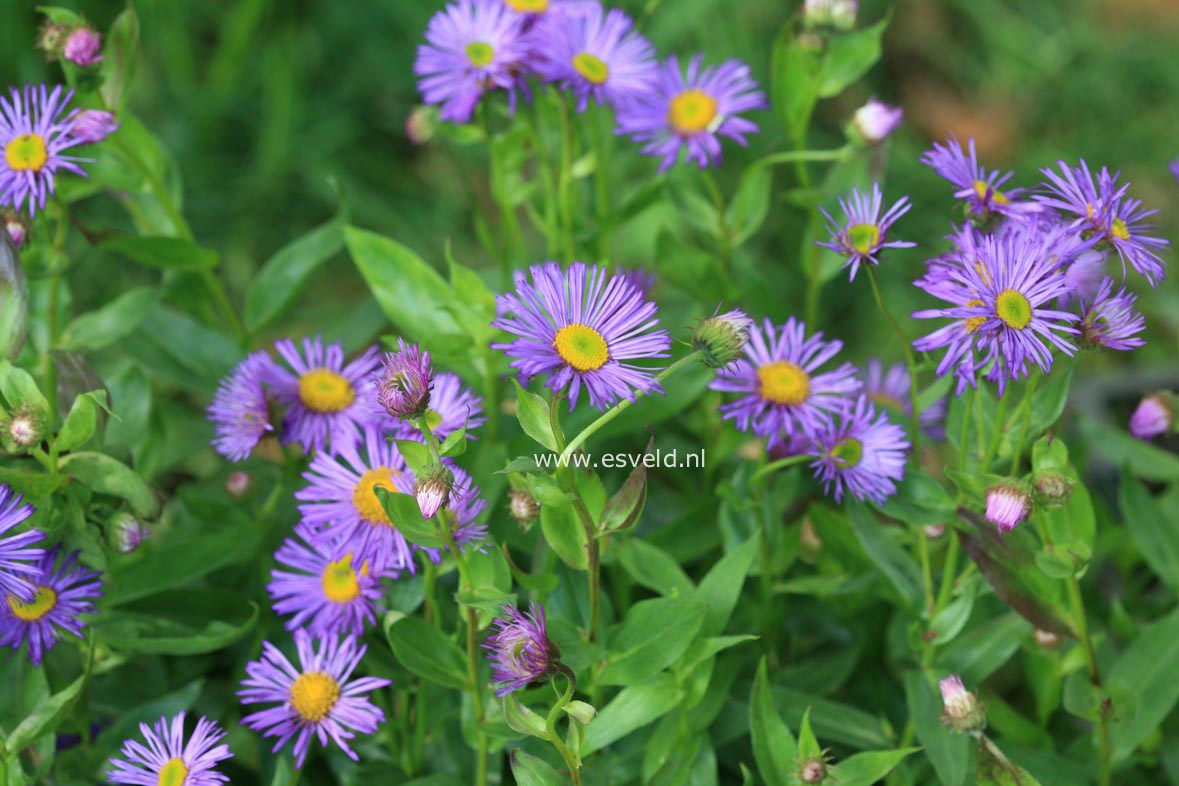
{"x": 996, "y": 435}
{"x": 1024, "y": 415}
{"x": 1078, "y": 604}
{"x": 910, "y": 362}
{"x": 724, "y": 233}
{"x": 949, "y": 570}
{"x": 565, "y": 180}
{"x": 602, "y": 144}
{"x": 801, "y": 156}
{"x": 774, "y": 466}
{"x": 512, "y": 237}
{"x": 963, "y": 448}
{"x": 555, "y": 738}
{"x": 926, "y": 571}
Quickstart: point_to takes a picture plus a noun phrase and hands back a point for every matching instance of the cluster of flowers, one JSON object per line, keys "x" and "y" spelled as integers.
{"x": 476, "y": 47}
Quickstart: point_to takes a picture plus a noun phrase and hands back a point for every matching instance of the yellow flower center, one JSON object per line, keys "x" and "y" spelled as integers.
{"x": 173, "y": 773}
{"x": 480, "y": 53}
{"x": 997, "y": 196}
{"x": 590, "y": 67}
{"x": 782, "y": 382}
{"x": 1013, "y": 308}
{"x": 1119, "y": 229}
{"x": 847, "y": 453}
{"x": 864, "y": 237}
{"x": 26, "y": 152}
{"x": 972, "y": 324}
{"x": 42, "y": 603}
{"x": 582, "y": 347}
{"x": 322, "y": 390}
{"x": 528, "y": 6}
{"x": 313, "y": 695}
{"x": 691, "y": 112}
{"x": 341, "y": 582}
{"x": 364, "y": 495}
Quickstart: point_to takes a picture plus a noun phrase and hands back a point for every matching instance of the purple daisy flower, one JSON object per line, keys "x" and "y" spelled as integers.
{"x": 62, "y": 594}
{"x": 241, "y": 409}
{"x": 519, "y": 649}
{"x": 167, "y": 760}
{"x": 329, "y": 588}
{"x": 596, "y": 55}
{"x": 1104, "y": 211}
{"x": 329, "y": 401}
{"x": 1110, "y": 319}
{"x": 35, "y": 131}
{"x": 404, "y": 382}
{"x": 16, "y": 552}
{"x": 316, "y": 699}
{"x": 865, "y": 234}
{"x": 889, "y": 388}
{"x": 981, "y": 188}
{"x": 782, "y": 389}
{"x": 863, "y": 455}
{"x": 472, "y": 47}
{"x": 692, "y": 111}
{"x": 578, "y": 326}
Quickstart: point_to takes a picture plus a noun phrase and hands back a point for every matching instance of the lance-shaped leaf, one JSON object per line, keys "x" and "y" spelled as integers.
{"x": 624, "y": 508}
{"x": 406, "y": 515}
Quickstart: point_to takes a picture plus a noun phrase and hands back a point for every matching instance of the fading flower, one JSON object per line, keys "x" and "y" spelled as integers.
{"x": 520, "y": 650}
{"x": 963, "y": 712}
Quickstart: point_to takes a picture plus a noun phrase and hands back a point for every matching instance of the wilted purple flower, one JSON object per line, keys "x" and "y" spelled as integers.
{"x": 692, "y": 111}
{"x": 1110, "y": 320}
{"x": 1104, "y": 211}
{"x": 16, "y": 226}
{"x": 316, "y": 699}
{"x": 62, "y": 593}
{"x": 580, "y": 327}
{"x": 35, "y": 132}
{"x": 83, "y": 47}
{"x": 167, "y": 760}
{"x": 722, "y": 338}
{"x": 782, "y": 393}
{"x": 963, "y": 712}
{"x": 1008, "y": 504}
{"x": 16, "y": 552}
{"x": 876, "y": 120}
{"x": 863, "y": 455}
{"x": 93, "y": 125}
{"x": 238, "y": 484}
{"x": 1154, "y": 416}
{"x": 241, "y": 409}
{"x": 978, "y": 186}
{"x": 520, "y": 650}
{"x": 472, "y": 47}
{"x": 404, "y": 382}
{"x": 865, "y": 234}
{"x": 595, "y": 55}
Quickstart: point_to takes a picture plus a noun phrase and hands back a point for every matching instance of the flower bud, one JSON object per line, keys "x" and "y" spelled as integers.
{"x": 875, "y": 121}
{"x": 83, "y": 47}
{"x": 238, "y": 484}
{"x": 839, "y": 14}
{"x": 52, "y": 39}
{"x": 963, "y": 712}
{"x": 94, "y": 125}
{"x": 15, "y": 226}
{"x": 127, "y": 533}
{"x": 813, "y": 771}
{"x": 1154, "y": 416}
{"x": 1046, "y": 639}
{"x": 1008, "y": 504}
{"x": 523, "y": 507}
{"x": 1054, "y": 488}
{"x": 935, "y": 531}
{"x": 25, "y": 428}
{"x": 721, "y": 339}
{"x": 405, "y": 381}
{"x": 421, "y": 125}
{"x": 432, "y": 490}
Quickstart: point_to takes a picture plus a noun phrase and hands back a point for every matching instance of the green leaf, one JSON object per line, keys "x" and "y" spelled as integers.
{"x": 110, "y": 476}
{"x": 1153, "y": 527}
{"x": 652, "y": 636}
{"x": 849, "y": 56}
{"x": 865, "y": 769}
{"x": 796, "y": 69}
{"x": 1145, "y": 460}
{"x": 1147, "y": 668}
{"x": 81, "y": 422}
{"x": 774, "y": 746}
{"x": 624, "y": 508}
{"x": 750, "y": 204}
{"x": 166, "y": 253}
{"x": 119, "y": 58}
{"x": 45, "y": 718}
{"x": 425, "y": 651}
{"x": 564, "y": 533}
{"x": 1049, "y": 400}
{"x": 651, "y": 567}
{"x": 720, "y": 589}
{"x": 920, "y": 500}
{"x": 416, "y": 454}
{"x": 533, "y": 413}
{"x": 116, "y": 320}
{"x": 950, "y": 754}
{"x": 174, "y": 626}
{"x": 280, "y": 279}
{"x": 455, "y": 443}
{"x": 983, "y": 649}
{"x": 531, "y": 771}
{"x": 406, "y": 515}
{"x": 887, "y": 555}
{"x": 522, "y": 719}
{"x": 20, "y": 389}
{"x": 634, "y": 707}
{"x": 995, "y": 769}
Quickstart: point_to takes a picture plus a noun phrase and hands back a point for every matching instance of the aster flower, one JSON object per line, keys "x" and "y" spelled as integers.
{"x": 1008, "y": 504}
{"x": 889, "y": 388}
{"x": 62, "y": 594}
{"x": 472, "y": 47}
{"x": 241, "y": 408}
{"x": 167, "y": 760}
{"x": 1104, "y": 211}
{"x": 865, "y": 234}
{"x": 329, "y": 589}
{"x": 783, "y": 390}
{"x": 404, "y": 382}
{"x": 864, "y": 455}
{"x": 35, "y": 132}
{"x": 596, "y": 55}
{"x": 318, "y": 698}
{"x": 1154, "y": 416}
{"x": 519, "y": 649}
{"x": 692, "y": 111}
{"x": 329, "y": 401}
{"x": 1085, "y": 277}
{"x": 1110, "y": 320}
{"x": 93, "y": 125}
{"x": 579, "y": 326}
{"x": 16, "y": 551}
{"x": 981, "y": 188}
{"x": 83, "y": 47}
{"x": 452, "y": 406}
{"x": 875, "y": 121}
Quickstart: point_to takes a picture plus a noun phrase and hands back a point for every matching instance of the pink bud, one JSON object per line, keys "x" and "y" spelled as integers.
{"x": 1154, "y": 416}
{"x": 93, "y": 125}
{"x": 83, "y": 47}
{"x": 1007, "y": 506}
{"x": 875, "y": 120}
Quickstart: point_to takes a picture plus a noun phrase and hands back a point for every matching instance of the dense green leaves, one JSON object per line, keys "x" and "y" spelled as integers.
{"x": 425, "y": 651}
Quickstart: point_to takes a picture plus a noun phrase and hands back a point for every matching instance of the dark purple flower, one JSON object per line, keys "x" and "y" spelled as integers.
{"x": 63, "y": 593}
{"x": 519, "y": 649}
{"x": 404, "y": 382}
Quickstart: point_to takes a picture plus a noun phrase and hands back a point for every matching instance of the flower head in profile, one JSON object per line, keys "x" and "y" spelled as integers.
{"x": 864, "y": 233}
{"x": 126, "y": 533}
{"x": 328, "y": 400}
{"x": 316, "y": 698}
{"x": 692, "y": 110}
{"x": 863, "y": 455}
{"x": 405, "y": 381}
{"x": 1154, "y": 416}
{"x": 472, "y": 47}
{"x": 83, "y": 47}
{"x": 167, "y": 760}
{"x": 432, "y": 490}
{"x": 982, "y": 189}
{"x": 520, "y": 650}
{"x": 963, "y": 711}
{"x": 875, "y": 121}
{"x": 596, "y": 55}
{"x": 35, "y": 132}
{"x": 63, "y": 592}
{"x": 326, "y": 587}
{"x": 452, "y": 406}
{"x": 1008, "y": 504}
{"x": 1102, "y": 209}
{"x": 241, "y": 408}
{"x": 782, "y": 387}
{"x": 721, "y": 339}
{"x": 18, "y": 558}
{"x": 1110, "y": 319}
{"x": 581, "y": 327}
{"x": 91, "y": 126}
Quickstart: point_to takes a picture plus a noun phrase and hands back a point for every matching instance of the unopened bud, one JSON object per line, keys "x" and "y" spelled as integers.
{"x": 839, "y": 14}
{"x": 1046, "y": 639}
{"x": 1054, "y": 487}
{"x": 52, "y": 39}
{"x": 238, "y": 484}
{"x": 935, "y": 531}
{"x": 25, "y": 428}
{"x": 93, "y": 125}
{"x": 1154, "y": 416}
{"x": 813, "y": 771}
{"x": 405, "y": 381}
{"x": 83, "y": 47}
{"x": 523, "y": 507}
{"x": 1008, "y": 504}
{"x": 721, "y": 339}
{"x": 421, "y": 125}
{"x": 127, "y": 533}
{"x": 432, "y": 490}
{"x": 963, "y": 712}
{"x": 875, "y": 121}
{"x": 16, "y": 227}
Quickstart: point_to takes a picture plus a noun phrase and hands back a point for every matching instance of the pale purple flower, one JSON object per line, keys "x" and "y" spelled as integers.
{"x": 1008, "y": 505}
{"x": 167, "y": 760}
{"x": 864, "y": 233}
{"x": 1110, "y": 319}
{"x": 863, "y": 455}
{"x": 17, "y": 556}
{"x": 982, "y": 189}
{"x": 404, "y": 382}
{"x": 35, "y": 131}
{"x": 1154, "y": 416}
{"x": 241, "y": 408}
